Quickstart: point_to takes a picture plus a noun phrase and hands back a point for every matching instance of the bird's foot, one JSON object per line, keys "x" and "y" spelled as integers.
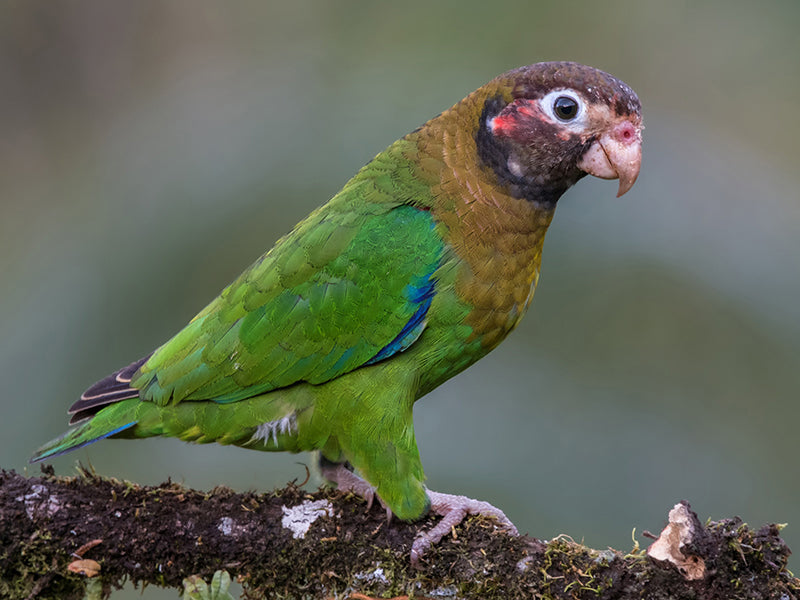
{"x": 453, "y": 509}
{"x": 347, "y": 481}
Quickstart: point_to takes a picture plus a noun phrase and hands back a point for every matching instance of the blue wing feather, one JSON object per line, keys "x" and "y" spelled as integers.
{"x": 422, "y": 294}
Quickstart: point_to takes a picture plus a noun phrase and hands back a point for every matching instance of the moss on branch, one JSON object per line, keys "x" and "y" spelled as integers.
{"x": 293, "y": 544}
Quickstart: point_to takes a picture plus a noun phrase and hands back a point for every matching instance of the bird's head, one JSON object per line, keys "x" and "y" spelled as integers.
{"x": 549, "y": 124}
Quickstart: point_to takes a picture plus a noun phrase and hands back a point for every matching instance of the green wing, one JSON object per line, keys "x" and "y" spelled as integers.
{"x": 349, "y": 285}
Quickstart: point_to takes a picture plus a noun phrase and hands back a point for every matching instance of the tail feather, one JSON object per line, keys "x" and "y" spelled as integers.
{"x": 78, "y": 437}
{"x": 114, "y": 388}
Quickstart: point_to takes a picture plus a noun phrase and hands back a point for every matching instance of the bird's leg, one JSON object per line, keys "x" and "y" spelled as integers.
{"x": 347, "y": 481}
{"x": 453, "y": 509}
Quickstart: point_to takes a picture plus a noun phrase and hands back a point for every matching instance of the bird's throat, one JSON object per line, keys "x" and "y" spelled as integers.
{"x": 496, "y": 233}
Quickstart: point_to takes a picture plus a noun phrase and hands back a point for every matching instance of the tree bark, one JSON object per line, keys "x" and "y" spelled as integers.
{"x": 55, "y": 532}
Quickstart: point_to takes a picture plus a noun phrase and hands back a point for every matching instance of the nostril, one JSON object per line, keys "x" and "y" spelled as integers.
{"x": 625, "y": 132}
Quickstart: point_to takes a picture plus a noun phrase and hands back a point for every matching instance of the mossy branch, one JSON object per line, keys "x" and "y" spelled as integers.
{"x": 54, "y": 531}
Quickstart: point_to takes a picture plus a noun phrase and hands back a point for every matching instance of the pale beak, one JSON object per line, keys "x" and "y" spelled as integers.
{"x": 617, "y": 154}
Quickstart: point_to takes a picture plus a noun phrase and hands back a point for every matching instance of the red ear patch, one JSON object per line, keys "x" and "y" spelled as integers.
{"x": 512, "y": 116}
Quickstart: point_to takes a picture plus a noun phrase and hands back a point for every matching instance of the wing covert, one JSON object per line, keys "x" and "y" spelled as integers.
{"x": 344, "y": 289}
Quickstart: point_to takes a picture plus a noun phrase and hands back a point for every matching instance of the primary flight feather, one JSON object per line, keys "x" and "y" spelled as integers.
{"x": 422, "y": 264}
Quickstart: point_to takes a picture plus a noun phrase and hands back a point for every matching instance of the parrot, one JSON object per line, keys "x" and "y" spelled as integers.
{"x": 422, "y": 264}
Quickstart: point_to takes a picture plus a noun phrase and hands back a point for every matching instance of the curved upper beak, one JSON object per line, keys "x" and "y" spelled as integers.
{"x": 617, "y": 154}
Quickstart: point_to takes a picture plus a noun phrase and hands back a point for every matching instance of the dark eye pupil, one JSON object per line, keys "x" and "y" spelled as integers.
{"x": 565, "y": 108}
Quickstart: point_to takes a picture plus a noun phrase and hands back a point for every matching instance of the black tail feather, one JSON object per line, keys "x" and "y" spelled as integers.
{"x": 108, "y": 390}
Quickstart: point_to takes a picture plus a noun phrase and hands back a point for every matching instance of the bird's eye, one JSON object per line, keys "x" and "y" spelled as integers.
{"x": 565, "y": 108}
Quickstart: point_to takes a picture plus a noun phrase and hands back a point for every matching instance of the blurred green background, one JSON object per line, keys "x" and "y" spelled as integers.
{"x": 150, "y": 150}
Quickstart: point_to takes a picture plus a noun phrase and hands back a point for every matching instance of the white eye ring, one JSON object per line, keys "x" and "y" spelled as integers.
{"x": 548, "y": 106}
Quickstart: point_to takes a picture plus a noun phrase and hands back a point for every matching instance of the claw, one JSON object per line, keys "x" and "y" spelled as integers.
{"x": 453, "y": 509}
{"x": 347, "y": 481}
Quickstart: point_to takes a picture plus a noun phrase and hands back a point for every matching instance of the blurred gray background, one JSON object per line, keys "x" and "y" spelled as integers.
{"x": 149, "y": 151}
